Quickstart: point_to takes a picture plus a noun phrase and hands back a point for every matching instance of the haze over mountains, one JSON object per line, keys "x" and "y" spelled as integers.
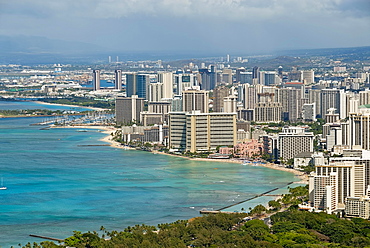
{"x": 41, "y": 50}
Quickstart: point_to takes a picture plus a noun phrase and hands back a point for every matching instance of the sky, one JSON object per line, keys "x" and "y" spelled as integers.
{"x": 225, "y": 26}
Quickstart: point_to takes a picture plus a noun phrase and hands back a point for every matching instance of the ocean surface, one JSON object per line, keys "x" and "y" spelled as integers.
{"x": 60, "y": 180}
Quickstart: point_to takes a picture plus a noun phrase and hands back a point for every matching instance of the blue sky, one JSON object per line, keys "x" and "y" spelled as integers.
{"x": 228, "y": 26}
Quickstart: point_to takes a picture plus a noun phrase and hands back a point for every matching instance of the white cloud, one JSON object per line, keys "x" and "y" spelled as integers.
{"x": 191, "y": 23}
{"x": 236, "y": 10}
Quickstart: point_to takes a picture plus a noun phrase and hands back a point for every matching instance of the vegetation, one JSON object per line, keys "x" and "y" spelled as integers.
{"x": 214, "y": 230}
{"x": 82, "y": 101}
{"x": 33, "y": 112}
{"x": 288, "y": 227}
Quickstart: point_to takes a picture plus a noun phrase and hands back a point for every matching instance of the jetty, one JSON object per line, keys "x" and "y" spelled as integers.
{"x": 254, "y": 197}
{"x": 44, "y": 237}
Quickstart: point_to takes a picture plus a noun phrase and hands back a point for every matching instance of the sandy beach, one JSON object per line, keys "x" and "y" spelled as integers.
{"x": 301, "y": 175}
{"x": 109, "y": 130}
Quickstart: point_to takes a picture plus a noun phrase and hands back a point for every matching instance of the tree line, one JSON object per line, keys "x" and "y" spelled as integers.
{"x": 287, "y": 227}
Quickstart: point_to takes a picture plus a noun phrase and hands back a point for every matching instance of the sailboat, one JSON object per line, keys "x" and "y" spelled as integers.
{"x": 2, "y": 187}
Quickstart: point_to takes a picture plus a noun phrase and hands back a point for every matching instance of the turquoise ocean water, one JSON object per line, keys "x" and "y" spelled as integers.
{"x": 57, "y": 184}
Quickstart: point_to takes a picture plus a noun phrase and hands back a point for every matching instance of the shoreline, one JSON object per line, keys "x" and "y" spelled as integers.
{"x": 109, "y": 130}
{"x": 302, "y": 176}
{"x": 108, "y": 139}
{"x": 68, "y": 105}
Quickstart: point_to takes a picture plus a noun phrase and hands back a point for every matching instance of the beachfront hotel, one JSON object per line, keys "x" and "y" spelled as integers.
{"x": 200, "y": 132}
{"x": 294, "y": 140}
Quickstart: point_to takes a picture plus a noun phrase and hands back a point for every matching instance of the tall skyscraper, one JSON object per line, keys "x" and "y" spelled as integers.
{"x": 308, "y": 77}
{"x": 142, "y": 84}
{"x": 208, "y": 78}
{"x": 246, "y": 77}
{"x": 219, "y": 94}
{"x": 250, "y": 96}
{"x": 290, "y": 99}
{"x": 294, "y": 140}
{"x": 96, "y": 80}
{"x": 227, "y": 76}
{"x": 131, "y": 84}
{"x": 314, "y": 96}
{"x": 332, "y": 184}
{"x": 256, "y": 72}
{"x": 237, "y": 74}
{"x": 184, "y": 81}
{"x": 137, "y": 84}
{"x": 195, "y": 100}
{"x": 359, "y": 128}
{"x": 128, "y": 109}
{"x": 230, "y": 104}
{"x": 207, "y": 131}
{"x": 270, "y": 78}
{"x": 364, "y": 97}
{"x": 256, "y": 75}
{"x": 155, "y": 92}
{"x": 267, "y": 110}
{"x": 166, "y": 78}
{"x": 118, "y": 79}
{"x": 199, "y": 132}
{"x": 333, "y": 98}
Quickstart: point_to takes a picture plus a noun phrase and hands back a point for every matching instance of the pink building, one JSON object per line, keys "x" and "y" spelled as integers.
{"x": 226, "y": 150}
{"x": 248, "y": 149}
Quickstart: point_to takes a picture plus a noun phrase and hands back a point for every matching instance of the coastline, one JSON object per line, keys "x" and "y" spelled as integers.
{"x": 109, "y": 130}
{"x": 68, "y": 105}
{"x": 302, "y": 176}
{"x": 109, "y": 139}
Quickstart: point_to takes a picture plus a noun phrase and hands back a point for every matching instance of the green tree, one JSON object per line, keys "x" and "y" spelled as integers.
{"x": 274, "y": 205}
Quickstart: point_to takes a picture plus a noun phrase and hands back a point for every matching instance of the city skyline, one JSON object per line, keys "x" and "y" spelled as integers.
{"x": 243, "y": 26}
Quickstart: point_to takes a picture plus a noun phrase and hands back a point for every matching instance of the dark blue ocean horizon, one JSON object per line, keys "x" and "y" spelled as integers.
{"x": 58, "y": 182}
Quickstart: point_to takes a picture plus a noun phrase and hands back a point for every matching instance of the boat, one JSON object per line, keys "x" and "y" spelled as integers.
{"x": 2, "y": 187}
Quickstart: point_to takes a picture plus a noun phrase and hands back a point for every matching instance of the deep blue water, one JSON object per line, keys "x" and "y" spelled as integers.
{"x": 57, "y": 184}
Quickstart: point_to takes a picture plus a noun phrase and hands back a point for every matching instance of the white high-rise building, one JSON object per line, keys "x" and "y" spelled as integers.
{"x": 250, "y": 96}
{"x": 308, "y": 77}
{"x": 294, "y": 140}
{"x": 230, "y": 104}
{"x": 96, "y": 80}
{"x": 166, "y": 78}
{"x": 155, "y": 92}
{"x": 337, "y": 183}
